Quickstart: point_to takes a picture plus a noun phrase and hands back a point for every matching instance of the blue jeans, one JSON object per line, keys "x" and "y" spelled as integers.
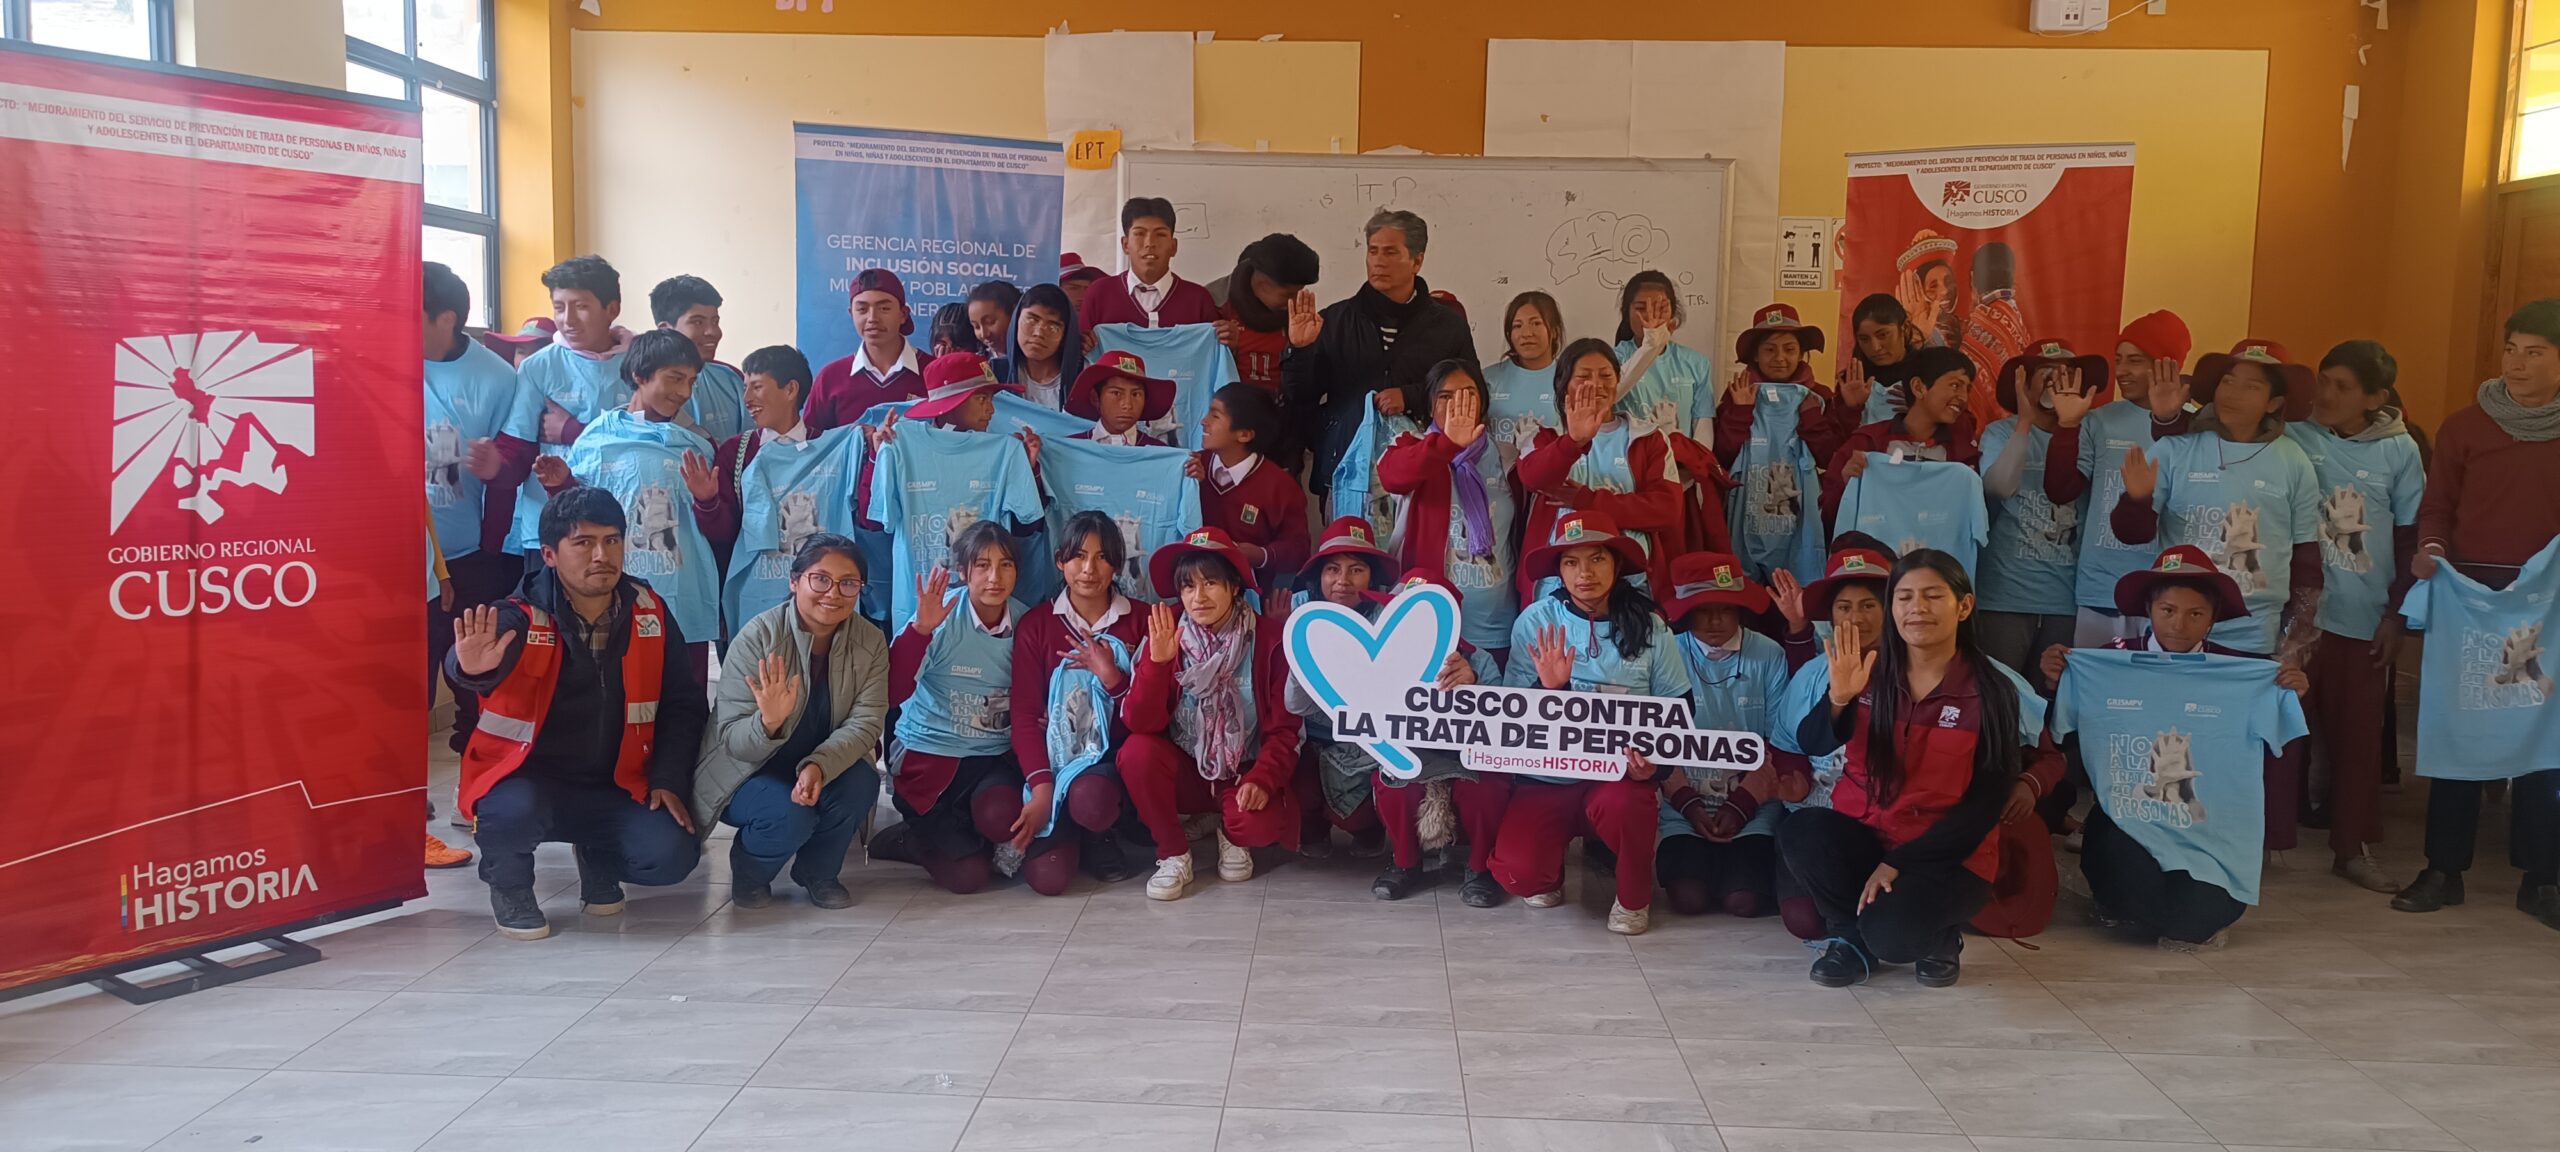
{"x": 625, "y": 838}
{"x": 772, "y": 829}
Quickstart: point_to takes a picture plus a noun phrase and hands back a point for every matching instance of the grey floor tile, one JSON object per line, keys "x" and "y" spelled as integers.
{"x": 1526, "y": 996}
{"x": 376, "y": 958}
{"x": 2013, "y": 1014}
{"x": 763, "y": 1119}
{"x": 1261, "y": 1130}
{"x": 445, "y": 1034}
{"x": 2314, "y": 1102}
{"x": 1346, "y": 1069}
{"x": 1403, "y": 930}
{"x": 1172, "y": 983}
{"x": 1197, "y": 923}
{"x": 1761, "y": 1084}
{"x": 1080, "y": 1125}
{"x": 1511, "y": 1134}
{"x": 42, "y": 1026}
{"x": 2077, "y": 953}
{"x": 1364, "y": 994}
{"x": 1118, "y": 1060}
{"x": 233, "y": 1027}
{"x": 592, "y": 965}
{"x": 2185, "y": 1019}
{"x": 1534, "y": 1076}
{"x": 1748, "y": 1005}
{"x": 2414, "y": 1026}
{"x": 694, "y": 1042}
{"x": 892, "y": 1050}
{"x": 944, "y": 977}
{"x": 2533, "y": 1019}
{"x": 1739, "y": 1139}
{"x": 1021, "y": 919}
{"x": 92, "y": 1108}
{"x": 2077, "y": 1095}
{"x": 331, "y": 1112}
{"x": 2491, "y": 1109}
{"x": 749, "y": 969}
{"x": 522, "y": 1114}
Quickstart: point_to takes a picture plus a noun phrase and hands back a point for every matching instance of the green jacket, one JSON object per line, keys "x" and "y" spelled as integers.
{"x": 735, "y": 744}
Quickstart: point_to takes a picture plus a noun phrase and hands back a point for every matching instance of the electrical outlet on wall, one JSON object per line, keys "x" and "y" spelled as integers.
{"x": 2067, "y": 15}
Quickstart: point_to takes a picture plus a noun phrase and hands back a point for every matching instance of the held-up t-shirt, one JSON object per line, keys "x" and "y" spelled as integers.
{"x": 470, "y": 397}
{"x": 2106, "y": 434}
{"x": 929, "y": 484}
{"x": 1187, "y": 354}
{"x": 641, "y": 461}
{"x": 718, "y": 407}
{"x": 585, "y": 387}
{"x": 1142, "y": 490}
{"x": 2032, "y": 558}
{"x": 788, "y": 493}
{"x": 1917, "y": 504}
{"x": 2367, "y": 488}
{"x": 2176, "y": 745}
{"x": 2245, "y": 505}
{"x": 2485, "y": 709}
{"x": 1518, "y": 402}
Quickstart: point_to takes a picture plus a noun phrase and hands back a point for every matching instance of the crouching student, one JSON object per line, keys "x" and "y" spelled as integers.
{"x": 1596, "y": 632}
{"x": 1599, "y": 463}
{"x": 1334, "y": 778}
{"x": 1459, "y": 515}
{"x": 1445, "y": 800}
{"x": 1210, "y": 730}
{"x": 590, "y": 721}
{"x": 2209, "y": 876}
{"x": 953, "y": 775}
{"x": 1716, "y": 845}
{"x": 1067, "y": 738}
{"x": 787, "y": 761}
{"x": 1907, "y": 852}
{"x": 1850, "y": 595}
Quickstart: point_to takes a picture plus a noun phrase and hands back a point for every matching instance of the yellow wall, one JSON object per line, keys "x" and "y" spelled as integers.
{"x": 532, "y": 70}
{"x": 1232, "y": 82}
{"x": 2193, "y": 116}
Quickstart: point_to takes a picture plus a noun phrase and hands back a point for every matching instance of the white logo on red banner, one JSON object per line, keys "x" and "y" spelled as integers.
{"x": 204, "y": 411}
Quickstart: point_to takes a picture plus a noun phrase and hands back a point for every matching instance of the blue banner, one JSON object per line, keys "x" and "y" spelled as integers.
{"x": 946, "y": 213}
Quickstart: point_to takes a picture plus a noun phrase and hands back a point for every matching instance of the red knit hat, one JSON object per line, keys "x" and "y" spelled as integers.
{"x": 2160, "y": 335}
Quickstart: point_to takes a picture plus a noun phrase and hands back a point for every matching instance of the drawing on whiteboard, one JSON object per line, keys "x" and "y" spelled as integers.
{"x": 1603, "y": 236}
{"x": 1393, "y": 189}
{"x": 1194, "y": 221}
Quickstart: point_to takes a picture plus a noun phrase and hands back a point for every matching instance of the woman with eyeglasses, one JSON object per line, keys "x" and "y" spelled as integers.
{"x": 796, "y": 780}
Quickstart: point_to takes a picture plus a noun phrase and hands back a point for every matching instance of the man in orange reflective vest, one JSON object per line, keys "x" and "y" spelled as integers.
{"x": 591, "y": 719}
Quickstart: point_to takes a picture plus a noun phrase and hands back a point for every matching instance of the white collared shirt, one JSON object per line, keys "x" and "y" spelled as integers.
{"x": 1148, "y": 297}
{"x": 1228, "y": 478}
{"x": 907, "y": 361}
{"x": 1003, "y": 625}
{"x": 1727, "y": 650}
{"x": 1066, "y": 610}
{"x": 2151, "y": 642}
{"x": 799, "y": 434}
{"x": 1102, "y": 435}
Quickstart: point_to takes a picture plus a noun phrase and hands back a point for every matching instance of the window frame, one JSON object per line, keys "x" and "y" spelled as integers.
{"x": 417, "y": 74}
{"x": 17, "y": 22}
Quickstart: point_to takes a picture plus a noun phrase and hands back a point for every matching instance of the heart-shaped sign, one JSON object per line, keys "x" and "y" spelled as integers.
{"x": 1339, "y": 655}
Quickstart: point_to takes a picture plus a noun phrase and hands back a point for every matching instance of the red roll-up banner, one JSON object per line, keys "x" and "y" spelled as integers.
{"x": 1991, "y": 248}
{"x": 211, "y": 589}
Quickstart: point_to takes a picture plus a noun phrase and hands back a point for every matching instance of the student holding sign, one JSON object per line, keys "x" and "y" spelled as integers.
{"x": 1716, "y": 845}
{"x": 1596, "y": 633}
{"x": 1209, "y": 724}
{"x": 1333, "y": 777}
{"x": 1907, "y": 851}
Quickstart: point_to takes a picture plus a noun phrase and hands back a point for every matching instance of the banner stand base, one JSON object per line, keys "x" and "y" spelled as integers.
{"x": 206, "y": 972}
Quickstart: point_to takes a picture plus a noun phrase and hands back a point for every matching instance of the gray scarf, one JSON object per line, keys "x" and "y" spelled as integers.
{"x": 2530, "y": 425}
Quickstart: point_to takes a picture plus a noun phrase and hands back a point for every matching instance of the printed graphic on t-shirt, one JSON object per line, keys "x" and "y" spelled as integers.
{"x": 796, "y": 510}
{"x": 1660, "y": 416}
{"x": 1514, "y": 436}
{"x": 1772, "y": 498}
{"x": 985, "y": 713}
{"x": 2342, "y": 530}
{"x": 2050, "y": 531}
{"x": 1469, "y": 570}
{"x": 934, "y": 533}
{"x": 654, "y": 552}
{"x": 1084, "y": 728}
{"x": 2229, "y": 534}
{"x": 2504, "y": 669}
{"x": 1133, "y": 540}
{"x": 444, "y": 464}
{"x": 2153, "y": 778}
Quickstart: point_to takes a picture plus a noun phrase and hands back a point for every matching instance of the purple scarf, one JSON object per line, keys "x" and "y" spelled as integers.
{"x": 1467, "y": 484}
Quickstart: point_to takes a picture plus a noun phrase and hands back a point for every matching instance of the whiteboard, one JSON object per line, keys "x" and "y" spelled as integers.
{"x": 1576, "y": 228}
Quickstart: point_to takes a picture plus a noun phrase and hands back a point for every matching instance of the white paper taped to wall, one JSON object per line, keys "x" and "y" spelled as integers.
{"x": 1137, "y": 82}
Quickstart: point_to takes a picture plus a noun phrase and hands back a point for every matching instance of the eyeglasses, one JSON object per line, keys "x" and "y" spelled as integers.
{"x": 820, "y": 584}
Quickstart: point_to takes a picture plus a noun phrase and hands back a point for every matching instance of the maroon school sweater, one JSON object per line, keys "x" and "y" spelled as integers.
{"x": 2489, "y": 495}
{"x": 840, "y": 396}
{"x": 1267, "y": 510}
{"x": 1108, "y": 301}
{"x": 1040, "y": 642}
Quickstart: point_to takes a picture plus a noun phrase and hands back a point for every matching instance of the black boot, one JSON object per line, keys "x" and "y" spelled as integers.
{"x": 519, "y": 914}
{"x": 1103, "y": 858}
{"x": 1395, "y": 883}
{"x": 1841, "y": 965}
{"x": 2540, "y": 901}
{"x": 599, "y": 890}
{"x": 1597, "y": 855}
{"x": 1941, "y": 970}
{"x": 1480, "y": 891}
{"x": 2432, "y": 890}
{"x": 893, "y": 844}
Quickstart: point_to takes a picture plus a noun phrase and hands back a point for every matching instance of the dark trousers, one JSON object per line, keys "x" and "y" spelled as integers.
{"x": 483, "y": 577}
{"x": 1698, "y": 874}
{"x": 2350, "y": 697}
{"x": 772, "y": 829}
{"x": 1832, "y": 855}
{"x": 2533, "y": 824}
{"x": 955, "y": 839}
{"x": 620, "y": 836}
{"x": 2126, "y": 881}
{"x": 1094, "y": 804}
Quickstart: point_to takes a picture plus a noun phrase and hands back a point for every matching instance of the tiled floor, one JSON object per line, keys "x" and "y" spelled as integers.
{"x": 1295, "y": 1012}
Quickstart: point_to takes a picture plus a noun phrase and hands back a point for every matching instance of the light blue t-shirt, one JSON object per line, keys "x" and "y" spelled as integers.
{"x": 1676, "y": 392}
{"x": 1488, "y": 598}
{"x": 2176, "y": 745}
{"x": 2032, "y": 559}
{"x": 1142, "y": 490}
{"x": 1659, "y": 670}
{"x": 929, "y": 484}
{"x": 719, "y": 404}
{"x": 1518, "y": 402}
{"x": 1605, "y": 466}
{"x": 787, "y": 494}
{"x": 1773, "y": 515}
{"x": 2245, "y": 505}
{"x": 1811, "y": 685}
{"x": 2367, "y": 488}
{"x": 469, "y": 398}
{"x": 1733, "y": 693}
{"x": 641, "y": 461}
{"x": 582, "y": 386}
{"x": 1918, "y": 504}
{"x": 963, "y": 702}
{"x": 2485, "y": 690}
{"x": 1356, "y": 491}
{"x": 2106, "y": 434}
{"x": 1187, "y": 354}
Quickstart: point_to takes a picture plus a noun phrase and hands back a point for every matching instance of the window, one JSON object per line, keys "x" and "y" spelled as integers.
{"x": 437, "y": 52}
{"x": 140, "y": 29}
{"x": 2535, "y": 147}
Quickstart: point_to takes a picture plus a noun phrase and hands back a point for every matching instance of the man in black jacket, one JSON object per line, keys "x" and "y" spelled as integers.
{"x": 591, "y": 721}
{"x": 1372, "y": 348}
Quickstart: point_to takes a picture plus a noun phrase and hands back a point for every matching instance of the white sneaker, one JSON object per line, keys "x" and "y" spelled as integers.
{"x": 1172, "y": 878}
{"x": 1545, "y": 899}
{"x": 1627, "y": 921}
{"x": 1235, "y": 865}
